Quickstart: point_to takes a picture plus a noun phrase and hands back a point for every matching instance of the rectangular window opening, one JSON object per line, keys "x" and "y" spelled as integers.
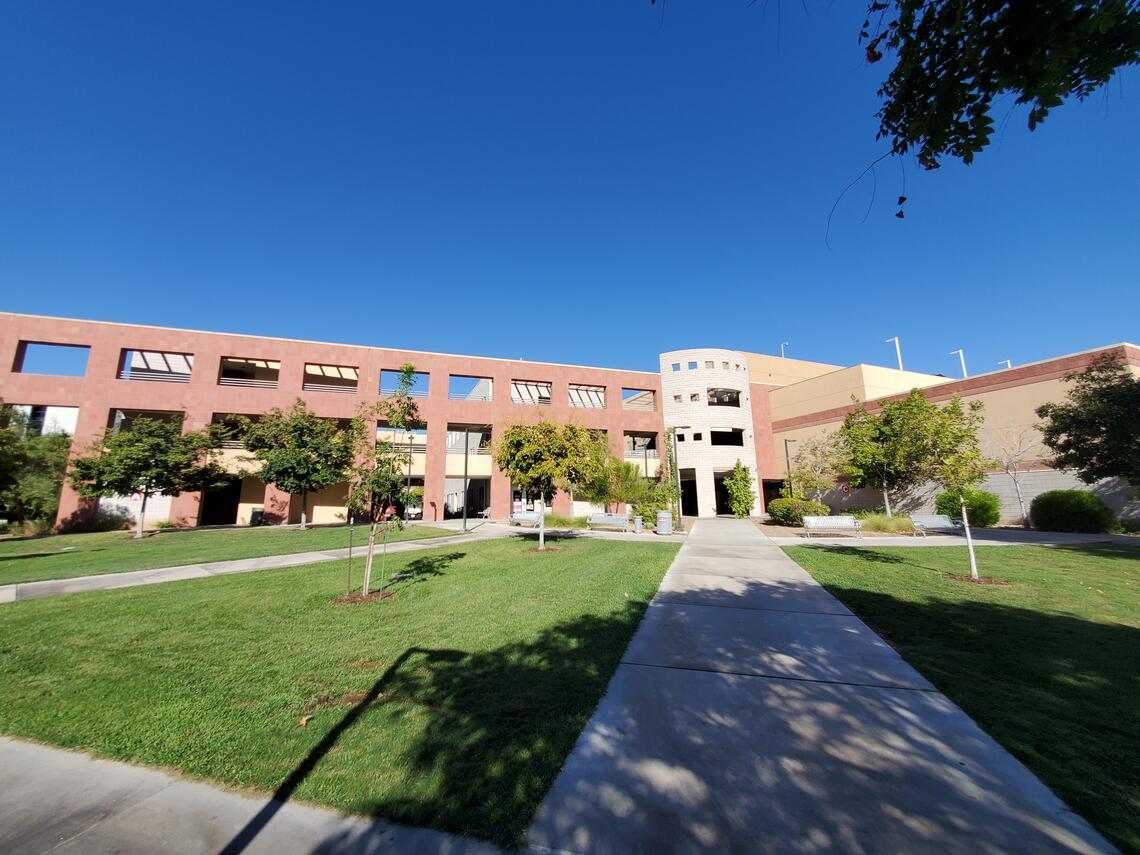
{"x": 587, "y": 397}
{"x": 723, "y": 397}
{"x": 693, "y": 366}
{"x": 248, "y": 372}
{"x": 57, "y": 360}
{"x": 638, "y": 399}
{"x": 530, "y": 392}
{"x": 156, "y": 365}
{"x": 330, "y": 378}
{"x": 726, "y": 436}
{"x": 390, "y": 382}
{"x": 461, "y": 387}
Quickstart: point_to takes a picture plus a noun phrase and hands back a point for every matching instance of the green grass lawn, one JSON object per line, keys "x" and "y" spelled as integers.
{"x": 116, "y": 552}
{"x": 452, "y": 705}
{"x": 1049, "y": 666}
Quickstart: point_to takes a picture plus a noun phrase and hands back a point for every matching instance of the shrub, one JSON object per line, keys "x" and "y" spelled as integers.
{"x": 1071, "y": 510}
{"x": 984, "y": 508}
{"x": 793, "y": 511}
{"x": 559, "y": 521}
{"x": 881, "y": 522}
{"x": 741, "y": 499}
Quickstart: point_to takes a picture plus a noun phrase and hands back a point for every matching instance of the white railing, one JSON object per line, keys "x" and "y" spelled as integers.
{"x": 327, "y": 387}
{"x": 645, "y": 406}
{"x": 231, "y": 443}
{"x": 157, "y": 376}
{"x": 412, "y": 393}
{"x": 247, "y": 382}
{"x": 459, "y": 396}
{"x": 586, "y": 406}
{"x": 651, "y": 453}
{"x": 543, "y": 401}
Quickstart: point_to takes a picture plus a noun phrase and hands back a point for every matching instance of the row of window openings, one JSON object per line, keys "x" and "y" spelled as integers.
{"x": 715, "y": 397}
{"x": 167, "y": 367}
{"x": 477, "y": 439}
{"x": 691, "y": 365}
{"x": 717, "y": 437}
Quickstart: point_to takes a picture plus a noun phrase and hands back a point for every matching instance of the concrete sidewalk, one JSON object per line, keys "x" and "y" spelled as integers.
{"x": 65, "y": 802}
{"x": 982, "y": 537}
{"x": 107, "y": 581}
{"x": 753, "y": 712}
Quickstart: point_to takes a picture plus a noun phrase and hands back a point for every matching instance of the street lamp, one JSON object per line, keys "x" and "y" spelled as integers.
{"x": 677, "y": 463}
{"x": 783, "y": 344}
{"x": 788, "y": 463}
{"x": 962, "y": 358}
{"x": 898, "y": 350}
{"x": 466, "y": 487}
{"x": 1006, "y": 362}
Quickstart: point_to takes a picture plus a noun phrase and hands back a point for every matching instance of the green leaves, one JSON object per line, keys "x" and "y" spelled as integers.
{"x": 738, "y": 483}
{"x": 956, "y": 57}
{"x": 1097, "y": 430}
{"x": 545, "y": 456}
{"x": 300, "y": 452}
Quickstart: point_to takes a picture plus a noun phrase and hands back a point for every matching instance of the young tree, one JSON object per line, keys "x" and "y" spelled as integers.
{"x": 617, "y": 481}
{"x": 153, "y": 458}
{"x": 300, "y": 453}
{"x": 1097, "y": 430}
{"x": 738, "y": 483}
{"x": 890, "y": 450}
{"x": 33, "y": 467}
{"x": 816, "y": 467}
{"x": 545, "y": 456}
{"x": 957, "y": 462}
{"x": 1014, "y": 449}
{"x": 377, "y": 476}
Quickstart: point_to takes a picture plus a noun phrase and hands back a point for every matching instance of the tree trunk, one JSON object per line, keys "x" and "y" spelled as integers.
{"x": 540, "y": 505}
{"x": 969, "y": 541}
{"x": 304, "y": 509}
{"x": 142, "y": 515}
{"x": 887, "y": 502}
{"x": 1021, "y": 502}
{"x": 368, "y": 557}
{"x": 348, "y": 590}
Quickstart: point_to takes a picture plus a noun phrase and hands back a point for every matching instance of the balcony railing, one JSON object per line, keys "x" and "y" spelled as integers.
{"x": 154, "y": 376}
{"x": 231, "y": 443}
{"x": 460, "y": 396}
{"x": 247, "y": 382}
{"x": 412, "y": 393}
{"x": 639, "y": 404}
{"x": 327, "y": 387}
{"x": 545, "y": 402}
{"x": 650, "y": 453}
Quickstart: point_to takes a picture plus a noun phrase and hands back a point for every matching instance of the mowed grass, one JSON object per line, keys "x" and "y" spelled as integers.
{"x": 452, "y": 705}
{"x": 42, "y": 558}
{"x": 1049, "y": 665}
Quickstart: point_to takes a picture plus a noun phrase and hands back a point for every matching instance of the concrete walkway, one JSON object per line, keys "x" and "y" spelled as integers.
{"x": 158, "y": 575}
{"x": 982, "y": 537}
{"x": 752, "y": 712}
{"x": 64, "y": 802}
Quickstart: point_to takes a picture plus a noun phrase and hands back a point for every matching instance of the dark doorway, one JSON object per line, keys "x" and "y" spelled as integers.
{"x": 689, "y": 506}
{"x": 771, "y": 491}
{"x": 220, "y": 507}
{"x": 721, "y": 492}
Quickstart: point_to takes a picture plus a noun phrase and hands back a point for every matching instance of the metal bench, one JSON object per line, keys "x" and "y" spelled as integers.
{"x": 924, "y": 523}
{"x": 832, "y": 525}
{"x": 608, "y": 521}
{"x": 525, "y": 518}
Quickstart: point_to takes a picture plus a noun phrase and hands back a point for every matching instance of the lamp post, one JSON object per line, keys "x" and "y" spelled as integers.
{"x": 961, "y": 358}
{"x": 783, "y": 344}
{"x": 788, "y": 463}
{"x": 898, "y": 350}
{"x": 466, "y": 487}
{"x": 677, "y": 463}
{"x": 408, "y": 488}
{"x": 1008, "y": 363}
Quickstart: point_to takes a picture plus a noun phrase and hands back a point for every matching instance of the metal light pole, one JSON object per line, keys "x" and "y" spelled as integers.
{"x": 783, "y": 344}
{"x": 1006, "y": 362}
{"x": 898, "y": 350}
{"x": 466, "y": 488}
{"x": 962, "y": 358}
{"x": 677, "y": 463}
{"x": 788, "y": 463}
{"x": 409, "y": 485}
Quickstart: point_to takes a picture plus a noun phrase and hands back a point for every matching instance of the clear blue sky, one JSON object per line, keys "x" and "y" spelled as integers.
{"x": 564, "y": 181}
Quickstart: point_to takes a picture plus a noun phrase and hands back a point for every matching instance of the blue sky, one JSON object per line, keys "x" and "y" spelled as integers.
{"x": 564, "y": 181}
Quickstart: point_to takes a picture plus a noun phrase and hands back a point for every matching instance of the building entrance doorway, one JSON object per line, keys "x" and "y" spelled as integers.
{"x": 689, "y": 505}
{"x": 723, "y": 506}
{"x": 220, "y": 507}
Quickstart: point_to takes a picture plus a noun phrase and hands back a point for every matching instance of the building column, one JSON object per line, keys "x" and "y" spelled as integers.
{"x": 90, "y": 425}
{"x": 435, "y": 471}
{"x": 186, "y": 509}
{"x": 706, "y": 492}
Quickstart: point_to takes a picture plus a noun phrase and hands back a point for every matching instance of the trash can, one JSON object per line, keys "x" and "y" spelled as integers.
{"x": 637, "y": 525}
{"x": 664, "y": 522}
{"x": 256, "y": 515}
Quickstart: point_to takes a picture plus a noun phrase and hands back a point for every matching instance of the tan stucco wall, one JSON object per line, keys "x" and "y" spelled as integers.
{"x": 478, "y": 466}
{"x": 780, "y": 371}
{"x": 252, "y": 496}
{"x": 837, "y": 388}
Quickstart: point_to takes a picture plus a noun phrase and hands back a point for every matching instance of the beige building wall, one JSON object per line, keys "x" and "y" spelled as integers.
{"x": 838, "y": 388}
{"x": 781, "y": 371}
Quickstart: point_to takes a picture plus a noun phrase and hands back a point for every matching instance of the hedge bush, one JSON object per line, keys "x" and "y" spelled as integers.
{"x": 793, "y": 511}
{"x": 984, "y": 508}
{"x": 1071, "y": 510}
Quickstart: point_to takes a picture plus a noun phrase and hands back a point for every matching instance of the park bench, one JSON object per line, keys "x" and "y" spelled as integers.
{"x": 608, "y": 521}
{"x": 924, "y": 523}
{"x": 832, "y": 525}
{"x": 525, "y": 518}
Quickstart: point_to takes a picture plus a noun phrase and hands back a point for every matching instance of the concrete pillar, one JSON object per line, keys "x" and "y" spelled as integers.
{"x": 435, "y": 468}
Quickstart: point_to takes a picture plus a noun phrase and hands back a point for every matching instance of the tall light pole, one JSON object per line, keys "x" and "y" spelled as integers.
{"x": 962, "y": 358}
{"x": 677, "y": 463}
{"x": 898, "y": 350}
{"x": 466, "y": 487}
{"x": 783, "y": 344}
{"x": 1006, "y": 362}
{"x": 788, "y": 463}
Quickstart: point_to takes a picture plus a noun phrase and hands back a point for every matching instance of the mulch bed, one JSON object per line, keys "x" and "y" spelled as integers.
{"x": 357, "y": 597}
{"x": 984, "y": 580}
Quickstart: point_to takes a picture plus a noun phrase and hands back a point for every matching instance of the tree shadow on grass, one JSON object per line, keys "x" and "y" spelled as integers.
{"x": 499, "y": 725}
{"x": 863, "y": 553}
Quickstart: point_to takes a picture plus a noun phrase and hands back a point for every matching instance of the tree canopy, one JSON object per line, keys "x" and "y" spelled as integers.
{"x": 151, "y": 457}
{"x": 955, "y": 58}
{"x": 545, "y": 456}
{"x": 32, "y": 469}
{"x": 1096, "y": 430}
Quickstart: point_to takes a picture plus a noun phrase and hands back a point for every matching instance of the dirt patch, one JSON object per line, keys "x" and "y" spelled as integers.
{"x": 363, "y": 664}
{"x": 328, "y": 703}
{"x": 984, "y": 580}
{"x": 356, "y": 597}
